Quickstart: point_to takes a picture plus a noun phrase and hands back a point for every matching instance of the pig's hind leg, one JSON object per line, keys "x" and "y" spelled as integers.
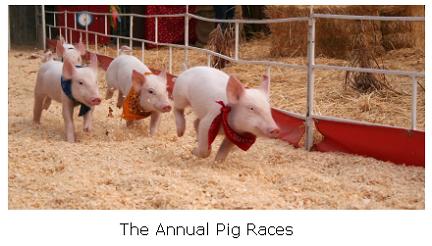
{"x": 120, "y": 99}
{"x": 180, "y": 103}
{"x": 38, "y": 107}
{"x": 109, "y": 93}
{"x": 203, "y": 150}
{"x": 196, "y": 124}
{"x": 46, "y": 103}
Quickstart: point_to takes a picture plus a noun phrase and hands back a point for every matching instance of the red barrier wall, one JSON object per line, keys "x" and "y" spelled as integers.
{"x": 397, "y": 145}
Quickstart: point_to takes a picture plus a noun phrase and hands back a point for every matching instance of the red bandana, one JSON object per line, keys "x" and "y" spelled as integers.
{"x": 243, "y": 141}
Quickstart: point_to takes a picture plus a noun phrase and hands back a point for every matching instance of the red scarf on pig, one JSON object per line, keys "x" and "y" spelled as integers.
{"x": 243, "y": 141}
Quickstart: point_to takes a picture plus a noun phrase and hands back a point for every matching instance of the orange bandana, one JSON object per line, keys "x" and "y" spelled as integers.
{"x": 132, "y": 109}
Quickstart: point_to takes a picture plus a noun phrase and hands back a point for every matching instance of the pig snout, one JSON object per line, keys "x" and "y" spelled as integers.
{"x": 95, "y": 101}
{"x": 273, "y": 132}
{"x": 166, "y": 108}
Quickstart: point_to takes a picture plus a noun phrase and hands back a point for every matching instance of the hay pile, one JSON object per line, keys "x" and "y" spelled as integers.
{"x": 118, "y": 168}
{"x": 397, "y": 35}
{"x": 334, "y": 37}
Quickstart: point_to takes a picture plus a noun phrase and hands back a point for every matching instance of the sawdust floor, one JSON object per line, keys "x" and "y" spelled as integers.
{"x": 114, "y": 167}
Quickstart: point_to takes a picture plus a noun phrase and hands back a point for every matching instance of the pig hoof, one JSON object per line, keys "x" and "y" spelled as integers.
{"x": 180, "y": 133}
{"x": 71, "y": 140}
{"x": 200, "y": 154}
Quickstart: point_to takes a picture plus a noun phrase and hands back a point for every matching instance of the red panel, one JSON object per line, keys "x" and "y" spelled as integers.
{"x": 170, "y": 30}
{"x": 292, "y": 129}
{"x": 98, "y": 24}
{"x": 397, "y": 145}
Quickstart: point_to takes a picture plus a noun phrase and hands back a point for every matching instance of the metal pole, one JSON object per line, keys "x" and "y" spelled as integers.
{"x": 70, "y": 34}
{"x": 208, "y": 60}
{"x": 269, "y": 74}
{"x": 87, "y": 36}
{"x": 43, "y": 28}
{"x": 414, "y": 104}
{"x": 75, "y": 21}
{"x": 106, "y": 24}
{"x": 96, "y": 43}
{"x": 142, "y": 51}
{"x": 49, "y": 32}
{"x": 156, "y": 30}
{"x": 66, "y": 26}
{"x": 170, "y": 60}
{"x": 236, "y": 48}
{"x": 131, "y": 31}
{"x": 118, "y": 46}
{"x": 310, "y": 81}
{"x": 186, "y": 36}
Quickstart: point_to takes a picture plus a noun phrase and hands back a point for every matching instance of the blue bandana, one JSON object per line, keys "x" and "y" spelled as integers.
{"x": 67, "y": 89}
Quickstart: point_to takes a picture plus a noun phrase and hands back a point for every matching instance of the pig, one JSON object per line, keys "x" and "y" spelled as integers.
{"x": 72, "y": 52}
{"x": 83, "y": 89}
{"x": 200, "y": 88}
{"x": 126, "y": 72}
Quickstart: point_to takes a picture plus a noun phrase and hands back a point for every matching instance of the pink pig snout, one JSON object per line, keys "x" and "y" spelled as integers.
{"x": 166, "y": 108}
{"x": 95, "y": 101}
{"x": 273, "y": 132}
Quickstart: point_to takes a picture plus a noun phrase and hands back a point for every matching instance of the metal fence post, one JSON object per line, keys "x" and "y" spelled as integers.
{"x": 66, "y": 26}
{"x": 131, "y": 32}
{"x": 414, "y": 104}
{"x": 87, "y": 36}
{"x": 186, "y": 37}
{"x": 156, "y": 30}
{"x": 310, "y": 81}
{"x": 142, "y": 51}
{"x": 170, "y": 60}
{"x": 237, "y": 38}
{"x": 43, "y": 28}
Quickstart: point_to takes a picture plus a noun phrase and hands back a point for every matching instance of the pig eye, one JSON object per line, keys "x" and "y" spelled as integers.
{"x": 80, "y": 82}
{"x": 251, "y": 108}
{"x": 150, "y": 91}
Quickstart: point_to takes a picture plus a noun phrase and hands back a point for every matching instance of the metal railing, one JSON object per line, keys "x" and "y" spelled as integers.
{"x": 310, "y": 67}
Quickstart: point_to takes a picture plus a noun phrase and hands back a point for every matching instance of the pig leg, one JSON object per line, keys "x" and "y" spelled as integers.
{"x": 109, "y": 93}
{"x": 46, "y": 103}
{"x": 203, "y": 150}
{"x": 88, "y": 118}
{"x": 120, "y": 99}
{"x": 180, "y": 121}
{"x": 37, "y": 108}
{"x": 67, "y": 107}
{"x": 154, "y": 122}
{"x": 196, "y": 124}
{"x": 223, "y": 150}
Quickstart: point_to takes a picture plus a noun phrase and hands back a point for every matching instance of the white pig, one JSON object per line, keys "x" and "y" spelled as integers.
{"x": 126, "y": 71}
{"x": 201, "y": 87}
{"x": 72, "y": 52}
{"x": 82, "y": 86}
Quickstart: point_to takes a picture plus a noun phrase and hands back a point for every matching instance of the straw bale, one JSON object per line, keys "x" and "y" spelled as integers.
{"x": 114, "y": 167}
{"x": 333, "y": 37}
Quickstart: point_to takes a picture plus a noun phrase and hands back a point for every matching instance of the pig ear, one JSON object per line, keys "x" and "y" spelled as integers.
{"x": 138, "y": 79}
{"x": 59, "y": 48}
{"x": 81, "y": 48}
{"x": 234, "y": 90}
{"x": 163, "y": 75}
{"x": 265, "y": 85}
{"x": 68, "y": 69}
{"x": 94, "y": 62}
